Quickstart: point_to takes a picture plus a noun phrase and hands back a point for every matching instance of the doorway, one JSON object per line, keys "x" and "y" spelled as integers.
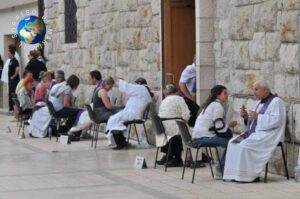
{"x": 179, "y": 37}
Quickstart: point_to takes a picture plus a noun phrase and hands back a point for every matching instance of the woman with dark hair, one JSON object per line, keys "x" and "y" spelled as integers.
{"x": 62, "y": 98}
{"x": 210, "y": 127}
{"x": 35, "y": 66}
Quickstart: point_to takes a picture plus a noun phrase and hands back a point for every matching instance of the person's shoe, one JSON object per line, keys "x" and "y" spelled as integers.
{"x": 30, "y": 135}
{"x": 217, "y": 174}
{"x": 174, "y": 163}
{"x": 73, "y": 138}
{"x": 205, "y": 158}
{"x": 126, "y": 145}
{"x": 162, "y": 161}
{"x": 256, "y": 179}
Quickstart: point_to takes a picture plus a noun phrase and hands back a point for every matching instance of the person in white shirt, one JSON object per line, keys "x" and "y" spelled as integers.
{"x": 187, "y": 81}
{"x": 249, "y": 152}
{"x": 173, "y": 106}
{"x": 210, "y": 127}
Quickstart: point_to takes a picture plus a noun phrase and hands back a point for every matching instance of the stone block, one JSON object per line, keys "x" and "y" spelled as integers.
{"x": 267, "y": 73}
{"x": 207, "y": 29}
{"x": 279, "y": 84}
{"x": 258, "y": 47}
{"x": 207, "y": 77}
{"x": 290, "y": 4}
{"x": 238, "y": 79}
{"x": 227, "y": 57}
{"x": 222, "y": 28}
{"x": 265, "y": 16}
{"x": 207, "y": 54}
{"x": 241, "y": 2}
{"x": 241, "y": 54}
{"x": 128, "y": 5}
{"x": 83, "y": 3}
{"x": 208, "y": 8}
{"x": 77, "y": 58}
{"x": 242, "y": 23}
{"x": 128, "y": 58}
{"x": 144, "y": 14}
{"x": 288, "y": 28}
{"x": 272, "y": 46}
{"x": 292, "y": 86}
{"x": 222, "y": 76}
{"x": 289, "y": 58}
{"x": 156, "y": 8}
{"x": 296, "y": 117}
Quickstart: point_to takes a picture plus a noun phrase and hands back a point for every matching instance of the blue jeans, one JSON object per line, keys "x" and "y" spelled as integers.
{"x": 219, "y": 141}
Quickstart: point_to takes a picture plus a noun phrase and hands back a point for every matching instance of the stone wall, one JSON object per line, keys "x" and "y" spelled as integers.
{"x": 118, "y": 37}
{"x": 258, "y": 39}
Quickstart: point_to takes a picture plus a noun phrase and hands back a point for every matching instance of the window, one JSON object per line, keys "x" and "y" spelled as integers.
{"x": 70, "y": 21}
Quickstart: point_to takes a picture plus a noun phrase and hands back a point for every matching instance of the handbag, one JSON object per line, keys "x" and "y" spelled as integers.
{"x": 226, "y": 134}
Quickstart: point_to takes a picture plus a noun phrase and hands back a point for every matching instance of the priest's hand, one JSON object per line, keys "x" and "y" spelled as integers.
{"x": 244, "y": 113}
{"x": 252, "y": 115}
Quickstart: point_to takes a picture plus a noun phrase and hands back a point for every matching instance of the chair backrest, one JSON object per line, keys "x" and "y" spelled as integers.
{"x": 51, "y": 109}
{"x": 17, "y": 104}
{"x": 90, "y": 112}
{"x": 157, "y": 125}
{"x": 146, "y": 112}
{"x": 184, "y": 132}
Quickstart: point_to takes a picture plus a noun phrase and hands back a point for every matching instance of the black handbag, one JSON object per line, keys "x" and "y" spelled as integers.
{"x": 226, "y": 134}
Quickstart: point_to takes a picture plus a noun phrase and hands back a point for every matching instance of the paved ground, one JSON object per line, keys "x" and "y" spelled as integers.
{"x": 39, "y": 168}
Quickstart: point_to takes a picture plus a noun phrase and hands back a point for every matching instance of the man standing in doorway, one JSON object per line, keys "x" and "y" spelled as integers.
{"x": 187, "y": 82}
{"x": 13, "y": 76}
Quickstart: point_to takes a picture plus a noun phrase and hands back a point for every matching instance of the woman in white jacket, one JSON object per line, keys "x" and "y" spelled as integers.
{"x": 173, "y": 106}
{"x": 211, "y": 121}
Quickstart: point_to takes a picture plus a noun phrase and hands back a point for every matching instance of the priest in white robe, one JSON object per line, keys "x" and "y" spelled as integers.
{"x": 248, "y": 153}
{"x": 138, "y": 97}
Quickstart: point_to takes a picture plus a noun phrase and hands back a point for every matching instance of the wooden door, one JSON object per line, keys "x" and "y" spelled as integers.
{"x": 179, "y": 37}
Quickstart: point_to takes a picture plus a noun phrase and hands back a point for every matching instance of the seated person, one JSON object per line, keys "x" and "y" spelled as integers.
{"x": 102, "y": 106}
{"x": 210, "y": 121}
{"x": 20, "y": 85}
{"x": 43, "y": 87}
{"x": 25, "y": 96}
{"x": 62, "y": 98}
{"x": 138, "y": 97}
{"x": 248, "y": 153}
{"x": 173, "y": 106}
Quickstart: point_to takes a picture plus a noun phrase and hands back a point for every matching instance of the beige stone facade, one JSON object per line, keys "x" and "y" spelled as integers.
{"x": 117, "y": 37}
{"x": 237, "y": 42}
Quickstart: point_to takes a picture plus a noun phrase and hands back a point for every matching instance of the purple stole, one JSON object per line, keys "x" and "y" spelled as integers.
{"x": 251, "y": 125}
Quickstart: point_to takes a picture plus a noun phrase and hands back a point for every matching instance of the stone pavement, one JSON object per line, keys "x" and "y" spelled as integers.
{"x": 39, "y": 168}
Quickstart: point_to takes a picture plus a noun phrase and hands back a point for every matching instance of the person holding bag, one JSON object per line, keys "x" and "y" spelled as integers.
{"x": 210, "y": 127}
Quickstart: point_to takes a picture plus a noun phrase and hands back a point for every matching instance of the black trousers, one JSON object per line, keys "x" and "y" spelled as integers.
{"x": 70, "y": 113}
{"x": 118, "y": 137}
{"x": 176, "y": 148}
{"x": 12, "y": 85}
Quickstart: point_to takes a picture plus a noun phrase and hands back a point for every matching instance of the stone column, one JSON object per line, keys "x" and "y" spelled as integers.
{"x": 205, "y": 18}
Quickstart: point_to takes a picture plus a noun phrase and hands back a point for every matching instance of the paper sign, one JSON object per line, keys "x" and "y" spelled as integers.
{"x": 140, "y": 162}
{"x": 64, "y": 139}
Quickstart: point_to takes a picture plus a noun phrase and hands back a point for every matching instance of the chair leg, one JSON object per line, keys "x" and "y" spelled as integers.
{"x": 137, "y": 135}
{"x": 156, "y": 157}
{"x": 168, "y": 155}
{"x": 146, "y": 134}
{"x": 96, "y": 136}
{"x": 57, "y": 129}
{"x": 184, "y": 164}
{"x": 284, "y": 162}
{"x": 195, "y": 165}
{"x": 266, "y": 173}
{"x": 219, "y": 160}
{"x": 93, "y": 134}
{"x": 209, "y": 162}
{"x": 20, "y": 126}
{"x": 211, "y": 156}
{"x": 129, "y": 131}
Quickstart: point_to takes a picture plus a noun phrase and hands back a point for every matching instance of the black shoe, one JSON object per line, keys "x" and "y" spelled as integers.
{"x": 256, "y": 179}
{"x": 30, "y": 135}
{"x": 205, "y": 158}
{"x": 122, "y": 146}
{"x": 174, "y": 163}
{"x": 162, "y": 161}
{"x": 74, "y": 138}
